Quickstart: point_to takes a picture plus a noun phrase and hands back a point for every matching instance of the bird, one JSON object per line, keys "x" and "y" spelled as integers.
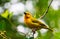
{"x": 34, "y": 23}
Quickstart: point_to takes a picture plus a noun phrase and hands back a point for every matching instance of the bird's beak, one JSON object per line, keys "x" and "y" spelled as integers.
{"x": 24, "y": 12}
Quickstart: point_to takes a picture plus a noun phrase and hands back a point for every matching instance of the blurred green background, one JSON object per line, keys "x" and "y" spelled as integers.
{"x": 12, "y": 18}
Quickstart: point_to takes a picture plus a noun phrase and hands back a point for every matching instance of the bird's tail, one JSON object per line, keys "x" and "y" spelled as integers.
{"x": 50, "y": 29}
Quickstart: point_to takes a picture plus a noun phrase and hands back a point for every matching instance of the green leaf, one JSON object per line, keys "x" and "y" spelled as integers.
{"x": 10, "y": 15}
{"x": 5, "y": 14}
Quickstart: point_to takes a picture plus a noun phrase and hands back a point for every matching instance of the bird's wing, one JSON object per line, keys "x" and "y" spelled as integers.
{"x": 34, "y": 20}
{"x": 37, "y": 21}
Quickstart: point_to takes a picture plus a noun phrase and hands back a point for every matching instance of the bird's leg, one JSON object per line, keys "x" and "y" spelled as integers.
{"x": 33, "y": 30}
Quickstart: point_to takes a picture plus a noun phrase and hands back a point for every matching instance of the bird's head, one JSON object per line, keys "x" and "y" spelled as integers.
{"x": 27, "y": 14}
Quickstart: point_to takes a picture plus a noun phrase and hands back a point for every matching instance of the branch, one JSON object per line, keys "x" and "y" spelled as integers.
{"x": 46, "y": 10}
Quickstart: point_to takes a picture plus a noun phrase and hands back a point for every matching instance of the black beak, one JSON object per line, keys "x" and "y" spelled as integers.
{"x": 24, "y": 12}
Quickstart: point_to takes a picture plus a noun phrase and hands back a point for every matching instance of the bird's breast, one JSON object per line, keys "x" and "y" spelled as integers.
{"x": 27, "y": 22}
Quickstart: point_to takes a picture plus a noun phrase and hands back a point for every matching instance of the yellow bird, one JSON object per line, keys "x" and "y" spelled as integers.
{"x": 33, "y": 23}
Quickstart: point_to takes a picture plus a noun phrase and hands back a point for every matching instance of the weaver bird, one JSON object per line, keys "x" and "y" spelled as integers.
{"x": 33, "y": 23}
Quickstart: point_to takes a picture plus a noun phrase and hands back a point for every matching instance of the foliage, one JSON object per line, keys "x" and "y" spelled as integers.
{"x": 52, "y": 19}
{"x": 2, "y": 2}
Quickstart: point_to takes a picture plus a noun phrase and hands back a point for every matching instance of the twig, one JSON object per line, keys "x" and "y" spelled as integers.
{"x": 33, "y": 30}
{"x": 33, "y": 35}
{"x": 46, "y": 10}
